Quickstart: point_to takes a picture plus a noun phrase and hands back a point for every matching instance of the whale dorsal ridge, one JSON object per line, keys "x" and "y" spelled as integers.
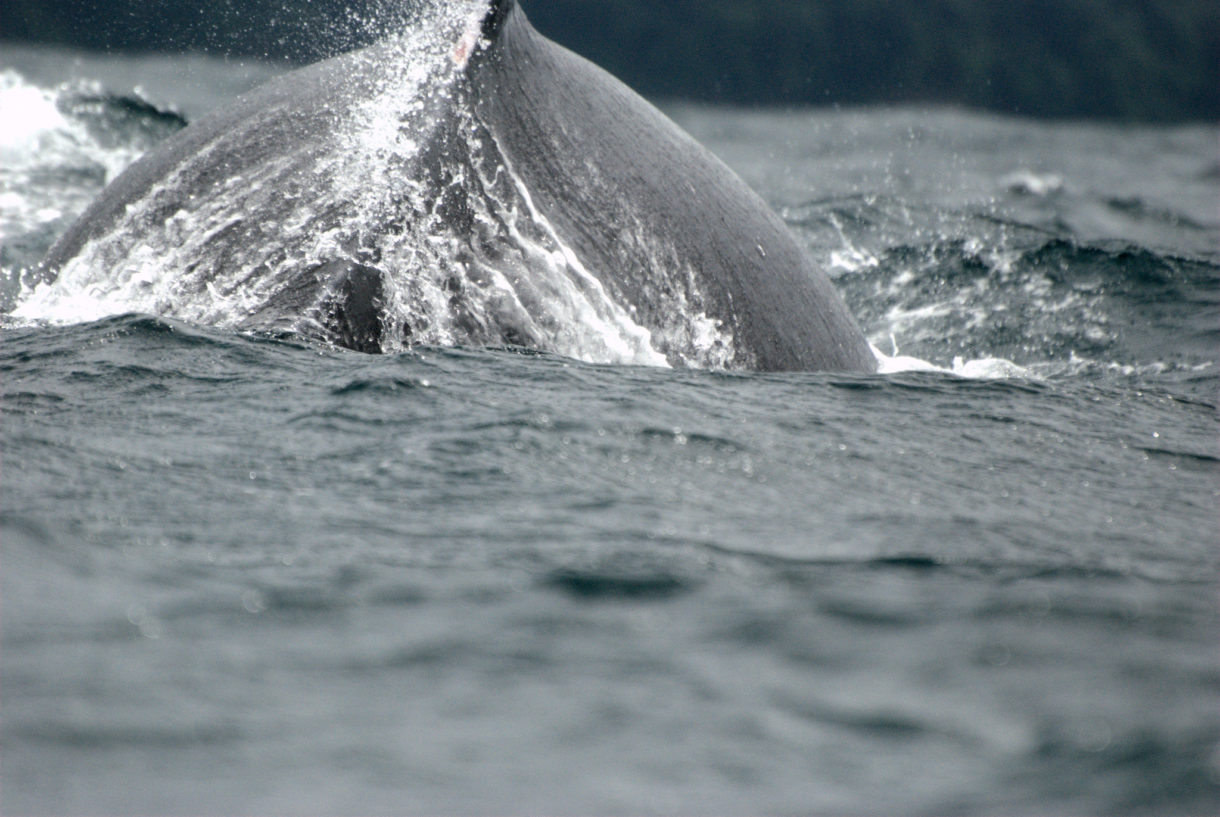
{"x": 493, "y": 21}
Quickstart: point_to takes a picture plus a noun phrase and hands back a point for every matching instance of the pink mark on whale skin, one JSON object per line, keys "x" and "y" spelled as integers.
{"x": 470, "y": 40}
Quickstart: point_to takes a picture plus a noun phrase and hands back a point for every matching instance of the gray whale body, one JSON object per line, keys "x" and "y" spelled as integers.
{"x": 486, "y": 187}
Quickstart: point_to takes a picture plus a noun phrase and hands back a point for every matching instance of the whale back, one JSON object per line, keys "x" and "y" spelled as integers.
{"x": 639, "y": 197}
{"x": 469, "y": 182}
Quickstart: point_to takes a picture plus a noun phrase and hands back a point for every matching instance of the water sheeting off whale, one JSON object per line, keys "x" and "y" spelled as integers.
{"x": 467, "y": 182}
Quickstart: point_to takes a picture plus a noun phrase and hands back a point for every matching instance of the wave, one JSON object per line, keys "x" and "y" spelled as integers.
{"x": 945, "y": 286}
{"x": 58, "y": 148}
{"x": 1141, "y": 209}
{"x": 78, "y": 124}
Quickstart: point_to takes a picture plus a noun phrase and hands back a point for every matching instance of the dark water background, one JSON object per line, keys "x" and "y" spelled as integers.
{"x": 1130, "y": 60}
{"x": 243, "y": 575}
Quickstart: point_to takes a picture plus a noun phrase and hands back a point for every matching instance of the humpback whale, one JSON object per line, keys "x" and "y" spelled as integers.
{"x": 465, "y": 182}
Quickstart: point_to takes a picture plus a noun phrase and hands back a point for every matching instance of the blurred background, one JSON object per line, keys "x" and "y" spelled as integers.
{"x": 1123, "y": 60}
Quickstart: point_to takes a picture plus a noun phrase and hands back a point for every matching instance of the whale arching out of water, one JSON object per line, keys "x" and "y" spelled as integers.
{"x": 471, "y": 182}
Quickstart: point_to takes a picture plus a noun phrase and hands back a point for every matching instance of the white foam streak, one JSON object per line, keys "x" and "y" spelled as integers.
{"x": 987, "y": 368}
{"x": 615, "y": 337}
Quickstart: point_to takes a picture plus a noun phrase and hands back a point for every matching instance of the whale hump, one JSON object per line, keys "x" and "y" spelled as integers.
{"x": 469, "y": 182}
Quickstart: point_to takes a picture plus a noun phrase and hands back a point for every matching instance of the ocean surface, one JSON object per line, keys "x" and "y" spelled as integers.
{"x": 247, "y": 575}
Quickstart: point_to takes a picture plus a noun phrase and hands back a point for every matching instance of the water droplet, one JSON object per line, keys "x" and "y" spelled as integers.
{"x": 253, "y": 601}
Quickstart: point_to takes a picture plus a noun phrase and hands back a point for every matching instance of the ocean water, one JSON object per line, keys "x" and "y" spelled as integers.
{"x": 242, "y": 574}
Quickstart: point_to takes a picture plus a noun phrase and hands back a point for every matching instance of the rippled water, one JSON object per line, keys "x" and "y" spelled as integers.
{"x": 252, "y": 575}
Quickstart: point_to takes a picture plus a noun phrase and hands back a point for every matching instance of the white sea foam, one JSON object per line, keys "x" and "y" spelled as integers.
{"x": 27, "y": 116}
{"x": 35, "y": 138}
{"x": 987, "y": 368}
{"x": 1027, "y": 182}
